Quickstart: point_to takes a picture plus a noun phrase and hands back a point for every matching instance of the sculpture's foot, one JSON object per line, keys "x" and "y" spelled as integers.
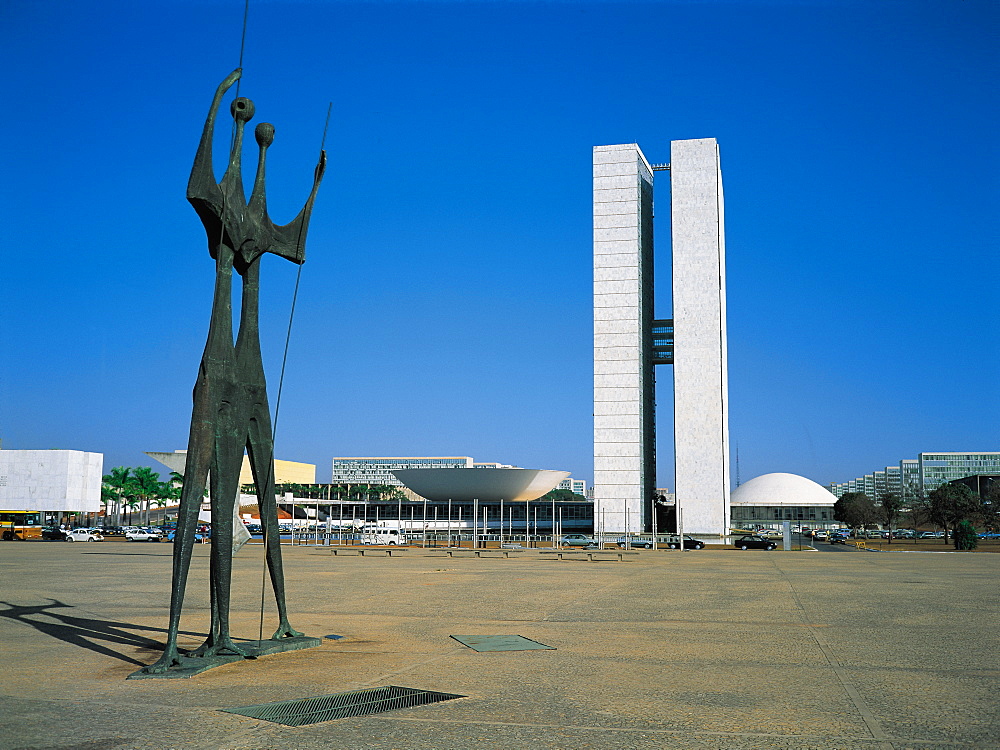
{"x": 218, "y": 647}
{"x": 170, "y": 658}
{"x": 203, "y": 648}
{"x": 285, "y": 630}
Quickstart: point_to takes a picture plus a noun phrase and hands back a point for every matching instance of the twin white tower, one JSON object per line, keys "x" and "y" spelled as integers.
{"x": 629, "y": 340}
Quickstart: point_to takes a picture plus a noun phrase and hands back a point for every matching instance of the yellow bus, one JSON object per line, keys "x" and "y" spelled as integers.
{"x": 20, "y": 524}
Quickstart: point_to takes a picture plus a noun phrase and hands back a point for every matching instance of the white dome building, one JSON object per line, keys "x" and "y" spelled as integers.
{"x": 772, "y": 498}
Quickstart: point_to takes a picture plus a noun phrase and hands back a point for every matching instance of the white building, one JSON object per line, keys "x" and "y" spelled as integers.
{"x": 51, "y": 480}
{"x": 629, "y": 341}
{"x": 772, "y": 498}
{"x": 624, "y": 459}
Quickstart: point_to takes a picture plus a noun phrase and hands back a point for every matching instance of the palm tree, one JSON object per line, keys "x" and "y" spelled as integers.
{"x": 160, "y": 501}
{"x": 108, "y": 497}
{"x": 146, "y": 485}
{"x": 118, "y": 481}
{"x": 133, "y": 502}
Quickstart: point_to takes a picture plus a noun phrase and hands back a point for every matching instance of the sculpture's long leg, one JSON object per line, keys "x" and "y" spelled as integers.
{"x": 261, "y": 450}
{"x": 201, "y": 444}
{"x": 225, "y": 486}
{"x": 213, "y": 629}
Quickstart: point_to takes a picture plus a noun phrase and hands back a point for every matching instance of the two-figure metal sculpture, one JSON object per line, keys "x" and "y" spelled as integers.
{"x": 231, "y": 412}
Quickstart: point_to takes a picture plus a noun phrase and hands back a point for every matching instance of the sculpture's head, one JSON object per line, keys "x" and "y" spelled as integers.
{"x": 242, "y": 109}
{"x": 264, "y": 134}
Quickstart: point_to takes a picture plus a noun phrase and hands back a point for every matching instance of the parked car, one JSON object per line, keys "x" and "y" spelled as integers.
{"x": 634, "y": 542}
{"x": 198, "y": 536}
{"x": 928, "y": 535}
{"x": 84, "y": 535}
{"x": 898, "y": 534}
{"x": 673, "y": 542}
{"x": 142, "y": 535}
{"x": 577, "y": 540}
{"x": 754, "y": 541}
{"x": 819, "y": 535}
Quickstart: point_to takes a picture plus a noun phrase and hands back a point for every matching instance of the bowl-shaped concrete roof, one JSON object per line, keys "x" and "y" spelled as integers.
{"x": 781, "y": 489}
{"x": 488, "y": 485}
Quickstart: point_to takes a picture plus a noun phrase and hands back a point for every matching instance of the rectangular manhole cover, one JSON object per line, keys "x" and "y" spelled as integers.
{"x": 500, "y": 643}
{"x": 299, "y": 713}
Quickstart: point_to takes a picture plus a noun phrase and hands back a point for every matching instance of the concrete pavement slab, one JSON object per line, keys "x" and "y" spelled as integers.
{"x": 702, "y": 649}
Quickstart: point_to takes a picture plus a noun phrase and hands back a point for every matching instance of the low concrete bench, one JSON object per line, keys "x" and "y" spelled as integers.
{"x": 482, "y": 552}
{"x": 362, "y": 551}
{"x": 592, "y": 554}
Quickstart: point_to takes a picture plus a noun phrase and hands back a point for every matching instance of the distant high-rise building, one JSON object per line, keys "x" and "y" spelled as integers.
{"x": 378, "y": 469}
{"x": 939, "y": 468}
{"x": 579, "y": 486}
{"x": 909, "y": 477}
{"x": 923, "y": 474}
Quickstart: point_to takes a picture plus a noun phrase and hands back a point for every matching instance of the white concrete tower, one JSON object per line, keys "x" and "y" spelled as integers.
{"x": 624, "y": 466}
{"x": 701, "y": 375}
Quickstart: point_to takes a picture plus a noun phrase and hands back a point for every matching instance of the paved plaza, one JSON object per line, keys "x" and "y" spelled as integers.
{"x": 701, "y": 649}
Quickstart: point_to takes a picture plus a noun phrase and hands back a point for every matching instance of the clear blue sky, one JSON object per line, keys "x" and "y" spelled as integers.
{"x": 445, "y": 305}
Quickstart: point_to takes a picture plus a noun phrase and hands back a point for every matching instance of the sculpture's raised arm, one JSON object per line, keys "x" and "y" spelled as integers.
{"x": 290, "y": 239}
{"x": 202, "y": 185}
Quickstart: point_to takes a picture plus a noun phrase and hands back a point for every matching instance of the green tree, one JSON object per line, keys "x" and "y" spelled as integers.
{"x": 965, "y": 536}
{"x": 855, "y": 509}
{"x": 558, "y": 494}
{"x": 118, "y": 481}
{"x": 146, "y": 486}
{"x": 133, "y": 503}
{"x": 917, "y": 507}
{"x": 989, "y": 509}
{"x": 889, "y": 509}
{"x": 109, "y": 498}
{"x": 951, "y": 504}
{"x": 161, "y": 501}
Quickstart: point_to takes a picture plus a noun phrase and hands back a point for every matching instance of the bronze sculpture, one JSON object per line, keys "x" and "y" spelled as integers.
{"x": 231, "y": 411}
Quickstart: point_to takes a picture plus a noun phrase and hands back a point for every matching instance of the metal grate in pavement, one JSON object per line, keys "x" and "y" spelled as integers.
{"x": 500, "y": 643}
{"x": 305, "y": 711}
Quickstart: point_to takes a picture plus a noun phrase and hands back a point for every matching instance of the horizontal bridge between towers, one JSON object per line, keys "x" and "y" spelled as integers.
{"x": 662, "y": 334}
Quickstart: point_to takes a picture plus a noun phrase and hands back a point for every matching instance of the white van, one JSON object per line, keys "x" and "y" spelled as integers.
{"x": 372, "y": 534}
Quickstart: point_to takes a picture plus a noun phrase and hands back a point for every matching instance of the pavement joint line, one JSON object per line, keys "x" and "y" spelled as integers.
{"x": 388, "y": 716}
{"x": 686, "y": 732}
{"x": 414, "y": 665}
{"x": 576, "y": 599}
{"x": 867, "y": 715}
